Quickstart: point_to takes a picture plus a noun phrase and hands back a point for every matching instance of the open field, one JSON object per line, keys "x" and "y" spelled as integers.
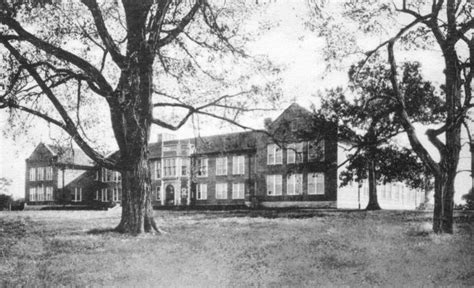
{"x": 230, "y": 249}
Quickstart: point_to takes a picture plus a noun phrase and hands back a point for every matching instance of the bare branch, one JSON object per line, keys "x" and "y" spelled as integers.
{"x": 405, "y": 121}
{"x": 91, "y": 71}
{"x": 109, "y": 43}
{"x": 68, "y": 126}
{"x": 180, "y": 27}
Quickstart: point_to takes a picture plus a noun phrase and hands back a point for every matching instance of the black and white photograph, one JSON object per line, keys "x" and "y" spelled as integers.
{"x": 236, "y": 143}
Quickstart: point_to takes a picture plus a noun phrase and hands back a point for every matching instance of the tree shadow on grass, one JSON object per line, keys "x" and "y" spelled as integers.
{"x": 101, "y": 231}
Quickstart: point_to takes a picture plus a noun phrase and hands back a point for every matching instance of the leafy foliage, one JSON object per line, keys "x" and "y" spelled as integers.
{"x": 469, "y": 198}
{"x": 4, "y": 185}
{"x": 392, "y": 164}
{"x": 368, "y": 120}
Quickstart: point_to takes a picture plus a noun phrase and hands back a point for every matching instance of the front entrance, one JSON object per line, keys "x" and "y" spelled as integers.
{"x": 169, "y": 197}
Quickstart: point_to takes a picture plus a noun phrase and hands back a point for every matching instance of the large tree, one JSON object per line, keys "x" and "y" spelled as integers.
{"x": 444, "y": 26}
{"x": 123, "y": 53}
{"x": 368, "y": 120}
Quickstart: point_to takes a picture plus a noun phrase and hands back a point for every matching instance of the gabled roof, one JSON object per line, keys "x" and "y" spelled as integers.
{"x": 65, "y": 155}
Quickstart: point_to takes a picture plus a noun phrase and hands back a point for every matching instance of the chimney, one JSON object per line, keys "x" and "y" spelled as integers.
{"x": 267, "y": 122}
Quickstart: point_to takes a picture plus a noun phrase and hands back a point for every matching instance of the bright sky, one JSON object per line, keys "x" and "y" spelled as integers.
{"x": 286, "y": 43}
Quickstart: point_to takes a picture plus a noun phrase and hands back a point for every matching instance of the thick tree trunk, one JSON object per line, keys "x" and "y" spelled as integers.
{"x": 137, "y": 212}
{"x": 131, "y": 112}
{"x": 444, "y": 191}
{"x": 373, "y": 200}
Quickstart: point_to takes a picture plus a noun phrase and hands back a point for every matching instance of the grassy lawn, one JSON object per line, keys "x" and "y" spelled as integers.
{"x": 230, "y": 249}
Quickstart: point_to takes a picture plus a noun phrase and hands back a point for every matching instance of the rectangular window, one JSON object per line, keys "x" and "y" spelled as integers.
{"x": 104, "y": 197}
{"x": 117, "y": 177}
{"x": 294, "y": 184}
{"x": 32, "y": 194}
{"x": 238, "y": 190}
{"x": 77, "y": 195}
{"x": 316, "y": 150}
{"x": 201, "y": 191}
{"x": 201, "y": 165}
{"x": 97, "y": 193}
{"x": 32, "y": 174}
{"x": 274, "y": 184}
{"x": 40, "y": 193}
{"x": 156, "y": 172}
{"x": 49, "y": 193}
{"x": 49, "y": 173}
{"x": 97, "y": 175}
{"x": 105, "y": 175}
{"x": 115, "y": 194}
{"x": 221, "y": 166}
{"x": 221, "y": 190}
{"x": 184, "y": 167}
{"x": 274, "y": 155}
{"x": 294, "y": 153}
{"x": 238, "y": 165}
{"x": 39, "y": 174}
{"x": 169, "y": 167}
{"x": 316, "y": 183}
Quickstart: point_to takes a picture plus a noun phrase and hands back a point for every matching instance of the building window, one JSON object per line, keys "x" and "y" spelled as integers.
{"x": 274, "y": 154}
{"x": 201, "y": 191}
{"x": 316, "y": 150}
{"x": 221, "y": 190}
{"x": 104, "y": 197}
{"x": 115, "y": 194}
{"x": 77, "y": 195}
{"x": 274, "y": 183}
{"x": 32, "y": 174}
{"x": 294, "y": 184}
{"x": 238, "y": 165}
{"x": 117, "y": 177}
{"x": 201, "y": 165}
{"x": 238, "y": 190}
{"x": 158, "y": 193}
{"x": 294, "y": 153}
{"x": 32, "y": 194}
{"x": 221, "y": 166}
{"x": 40, "y": 193}
{"x": 169, "y": 167}
{"x": 184, "y": 167}
{"x": 156, "y": 166}
{"x": 316, "y": 184}
{"x": 103, "y": 175}
{"x": 49, "y": 173}
{"x": 97, "y": 175}
{"x": 97, "y": 197}
{"x": 49, "y": 193}
{"x": 39, "y": 174}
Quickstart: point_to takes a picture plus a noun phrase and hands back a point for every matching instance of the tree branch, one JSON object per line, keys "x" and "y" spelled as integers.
{"x": 405, "y": 121}
{"x": 109, "y": 43}
{"x": 68, "y": 126}
{"x": 180, "y": 27}
{"x": 91, "y": 71}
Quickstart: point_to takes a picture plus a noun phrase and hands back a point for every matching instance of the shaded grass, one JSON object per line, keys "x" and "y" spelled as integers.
{"x": 232, "y": 249}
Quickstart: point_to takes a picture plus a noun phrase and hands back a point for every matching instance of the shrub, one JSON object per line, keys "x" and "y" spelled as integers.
{"x": 5, "y": 201}
{"x": 469, "y": 198}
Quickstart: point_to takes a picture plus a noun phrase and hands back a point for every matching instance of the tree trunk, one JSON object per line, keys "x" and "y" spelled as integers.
{"x": 131, "y": 112}
{"x": 373, "y": 200}
{"x": 444, "y": 191}
{"x": 137, "y": 212}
